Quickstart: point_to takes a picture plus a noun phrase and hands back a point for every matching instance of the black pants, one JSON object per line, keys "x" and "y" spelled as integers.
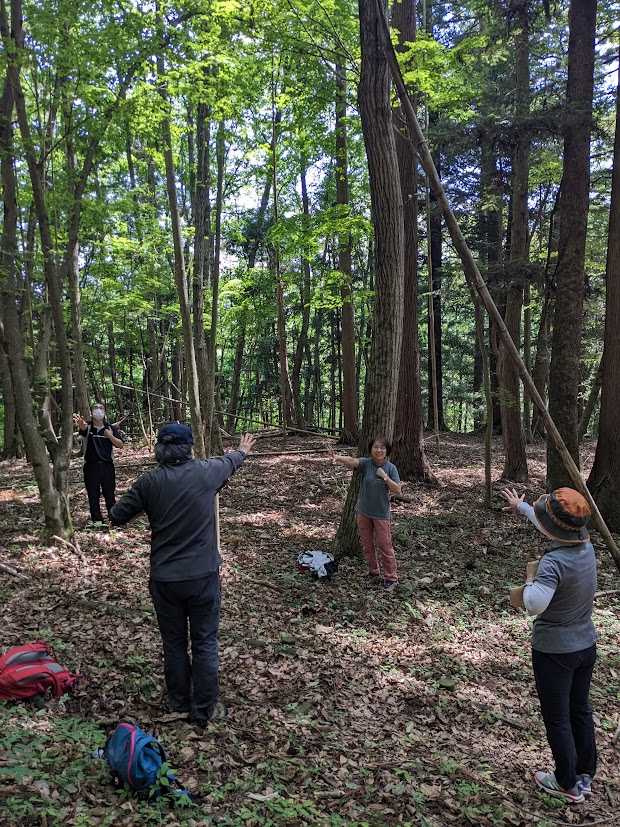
{"x": 99, "y": 477}
{"x": 563, "y": 686}
{"x": 192, "y": 687}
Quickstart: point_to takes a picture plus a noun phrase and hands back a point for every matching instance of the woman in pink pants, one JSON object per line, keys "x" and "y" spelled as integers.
{"x": 379, "y": 480}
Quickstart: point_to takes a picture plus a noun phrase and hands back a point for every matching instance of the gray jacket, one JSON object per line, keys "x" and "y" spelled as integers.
{"x": 179, "y": 500}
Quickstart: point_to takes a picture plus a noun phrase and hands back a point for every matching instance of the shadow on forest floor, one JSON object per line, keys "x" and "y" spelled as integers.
{"x": 347, "y": 707}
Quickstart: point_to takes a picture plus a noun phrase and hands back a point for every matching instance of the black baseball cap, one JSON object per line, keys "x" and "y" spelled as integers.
{"x": 175, "y": 434}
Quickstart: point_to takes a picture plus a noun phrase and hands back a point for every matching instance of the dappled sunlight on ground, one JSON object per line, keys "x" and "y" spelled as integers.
{"x": 416, "y": 707}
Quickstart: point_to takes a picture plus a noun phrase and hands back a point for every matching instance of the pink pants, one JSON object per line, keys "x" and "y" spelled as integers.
{"x": 379, "y": 530}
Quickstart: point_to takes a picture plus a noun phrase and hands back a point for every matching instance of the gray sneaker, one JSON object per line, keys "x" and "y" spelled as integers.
{"x": 390, "y": 585}
{"x": 372, "y": 580}
{"x": 584, "y": 782}
{"x": 546, "y": 781}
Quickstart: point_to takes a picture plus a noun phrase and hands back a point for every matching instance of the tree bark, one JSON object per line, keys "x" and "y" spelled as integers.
{"x": 349, "y": 401}
{"x": 305, "y": 288}
{"x": 181, "y": 279}
{"x": 409, "y": 454}
{"x": 202, "y": 233}
{"x": 515, "y": 465}
{"x": 604, "y": 479}
{"x": 54, "y": 501}
{"x": 213, "y": 439}
{"x": 56, "y": 504}
{"x": 387, "y": 214}
{"x": 569, "y": 274}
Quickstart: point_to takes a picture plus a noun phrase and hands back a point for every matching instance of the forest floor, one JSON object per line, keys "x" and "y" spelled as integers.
{"x": 348, "y": 707}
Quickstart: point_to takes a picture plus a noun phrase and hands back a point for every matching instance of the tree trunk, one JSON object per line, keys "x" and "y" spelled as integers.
{"x": 202, "y": 233}
{"x": 409, "y": 454}
{"x": 387, "y": 213}
{"x": 54, "y": 500}
{"x": 231, "y": 422}
{"x": 515, "y": 465}
{"x": 56, "y": 504}
{"x": 349, "y": 401}
{"x": 181, "y": 279}
{"x": 305, "y": 290}
{"x": 11, "y": 448}
{"x": 604, "y": 479}
{"x": 588, "y": 408}
{"x": 287, "y": 409}
{"x": 213, "y": 439}
{"x": 569, "y": 274}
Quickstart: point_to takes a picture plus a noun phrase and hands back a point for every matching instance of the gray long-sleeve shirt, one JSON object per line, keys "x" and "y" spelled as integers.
{"x": 179, "y": 500}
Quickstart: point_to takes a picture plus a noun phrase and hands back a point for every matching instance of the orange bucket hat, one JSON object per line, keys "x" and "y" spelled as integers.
{"x": 562, "y": 516}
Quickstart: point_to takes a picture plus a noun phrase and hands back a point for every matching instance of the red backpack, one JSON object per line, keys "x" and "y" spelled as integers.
{"x": 29, "y": 670}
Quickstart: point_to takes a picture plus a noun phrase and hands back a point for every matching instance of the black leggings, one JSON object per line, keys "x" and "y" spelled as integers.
{"x": 563, "y": 686}
{"x": 99, "y": 477}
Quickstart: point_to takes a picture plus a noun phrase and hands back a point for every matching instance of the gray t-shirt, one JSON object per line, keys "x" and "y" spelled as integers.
{"x": 374, "y": 497}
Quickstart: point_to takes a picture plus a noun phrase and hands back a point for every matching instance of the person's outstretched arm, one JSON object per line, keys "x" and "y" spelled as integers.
{"x": 350, "y": 462}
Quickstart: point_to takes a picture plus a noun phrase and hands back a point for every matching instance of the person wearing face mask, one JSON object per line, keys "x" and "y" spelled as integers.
{"x": 100, "y": 439}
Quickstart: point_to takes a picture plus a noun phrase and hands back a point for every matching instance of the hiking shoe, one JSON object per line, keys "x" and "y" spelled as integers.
{"x": 390, "y": 585}
{"x": 546, "y": 781}
{"x": 584, "y": 782}
{"x": 371, "y": 579}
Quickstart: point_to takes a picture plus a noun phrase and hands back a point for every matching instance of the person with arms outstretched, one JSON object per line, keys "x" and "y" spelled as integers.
{"x": 179, "y": 498}
{"x": 100, "y": 440}
{"x": 379, "y": 479}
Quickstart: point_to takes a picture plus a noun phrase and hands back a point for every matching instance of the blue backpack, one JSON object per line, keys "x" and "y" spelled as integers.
{"x": 137, "y": 758}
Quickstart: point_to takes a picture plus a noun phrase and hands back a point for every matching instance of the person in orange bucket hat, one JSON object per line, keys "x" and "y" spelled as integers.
{"x": 559, "y": 589}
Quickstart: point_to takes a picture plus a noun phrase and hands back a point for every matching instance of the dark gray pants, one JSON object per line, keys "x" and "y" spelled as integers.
{"x": 192, "y": 686}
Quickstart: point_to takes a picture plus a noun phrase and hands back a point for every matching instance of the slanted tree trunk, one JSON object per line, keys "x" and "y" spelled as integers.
{"x": 409, "y": 454}
{"x": 349, "y": 400}
{"x": 604, "y": 479}
{"x": 387, "y": 214}
{"x": 569, "y": 274}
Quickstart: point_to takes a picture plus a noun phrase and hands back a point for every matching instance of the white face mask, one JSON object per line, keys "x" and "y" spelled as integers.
{"x": 98, "y": 413}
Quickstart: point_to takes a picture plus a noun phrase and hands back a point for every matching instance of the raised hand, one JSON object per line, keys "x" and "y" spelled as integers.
{"x": 80, "y": 422}
{"x": 246, "y": 442}
{"x": 512, "y": 498}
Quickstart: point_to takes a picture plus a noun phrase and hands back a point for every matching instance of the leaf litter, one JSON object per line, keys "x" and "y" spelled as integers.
{"x": 347, "y": 706}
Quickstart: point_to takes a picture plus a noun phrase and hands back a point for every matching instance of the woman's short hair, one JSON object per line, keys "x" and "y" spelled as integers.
{"x": 384, "y": 440}
{"x": 168, "y": 454}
